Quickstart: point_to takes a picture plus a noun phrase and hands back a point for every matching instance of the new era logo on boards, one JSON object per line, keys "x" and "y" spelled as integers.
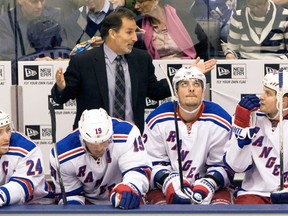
{"x": 231, "y": 71}
{"x": 38, "y": 72}
{"x": 31, "y": 72}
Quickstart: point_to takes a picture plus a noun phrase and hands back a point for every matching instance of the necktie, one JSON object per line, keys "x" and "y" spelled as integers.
{"x": 119, "y": 99}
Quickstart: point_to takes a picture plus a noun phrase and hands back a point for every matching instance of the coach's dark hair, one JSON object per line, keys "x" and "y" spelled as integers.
{"x": 114, "y": 20}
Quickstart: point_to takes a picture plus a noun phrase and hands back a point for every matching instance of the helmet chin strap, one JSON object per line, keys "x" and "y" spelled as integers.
{"x": 273, "y": 118}
{"x": 190, "y": 112}
{"x": 85, "y": 147}
{"x": 193, "y": 111}
{"x": 277, "y": 114}
{"x": 83, "y": 144}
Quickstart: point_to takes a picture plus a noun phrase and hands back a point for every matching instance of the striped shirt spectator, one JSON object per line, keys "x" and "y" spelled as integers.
{"x": 258, "y": 31}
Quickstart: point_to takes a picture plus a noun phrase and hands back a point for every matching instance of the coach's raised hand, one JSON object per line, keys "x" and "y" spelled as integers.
{"x": 205, "y": 66}
{"x": 60, "y": 80}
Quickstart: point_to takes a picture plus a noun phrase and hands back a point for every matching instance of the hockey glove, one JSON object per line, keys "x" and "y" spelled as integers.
{"x": 244, "y": 135}
{"x": 279, "y": 197}
{"x": 244, "y": 109}
{"x": 204, "y": 187}
{"x": 245, "y": 120}
{"x": 125, "y": 196}
{"x": 172, "y": 190}
{"x": 3, "y": 198}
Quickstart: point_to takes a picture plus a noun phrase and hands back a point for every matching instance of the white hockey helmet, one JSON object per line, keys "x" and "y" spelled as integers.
{"x": 95, "y": 126}
{"x": 188, "y": 73}
{"x": 271, "y": 80}
{"x": 4, "y": 118}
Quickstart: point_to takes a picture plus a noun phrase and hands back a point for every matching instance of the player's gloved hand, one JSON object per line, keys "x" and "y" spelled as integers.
{"x": 3, "y": 198}
{"x": 245, "y": 120}
{"x": 279, "y": 196}
{"x": 172, "y": 190}
{"x": 125, "y": 196}
{"x": 244, "y": 135}
{"x": 203, "y": 188}
{"x": 245, "y": 107}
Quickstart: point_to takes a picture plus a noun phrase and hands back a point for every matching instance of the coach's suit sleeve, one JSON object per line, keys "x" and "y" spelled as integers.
{"x": 72, "y": 77}
{"x": 157, "y": 89}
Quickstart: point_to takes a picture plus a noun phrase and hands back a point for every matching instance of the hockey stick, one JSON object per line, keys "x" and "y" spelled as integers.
{"x": 280, "y": 101}
{"x": 53, "y": 126}
{"x": 176, "y": 130}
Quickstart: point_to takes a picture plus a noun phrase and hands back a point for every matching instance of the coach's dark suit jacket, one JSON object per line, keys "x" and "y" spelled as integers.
{"x": 86, "y": 80}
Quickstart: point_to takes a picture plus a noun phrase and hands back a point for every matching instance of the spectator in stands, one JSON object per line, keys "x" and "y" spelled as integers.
{"x": 27, "y": 11}
{"x": 166, "y": 35}
{"x": 217, "y": 10}
{"x": 117, "y": 3}
{"x": 67, "y": 7}
{"x": 22, "y": 178}
{"x": 258, "y": 31}
{"x": 109, "y": 161}
{"x": 44, "y": 35}
{"x": 85, "y": 23}
{"x": 203, "y": 128}
{"x": 283, "y": 3}
{"x": 94, "y": 41}
{"x": 254, "y": 144}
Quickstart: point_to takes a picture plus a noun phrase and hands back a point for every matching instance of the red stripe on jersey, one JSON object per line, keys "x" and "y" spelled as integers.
{"x": 120, "y": 136}
{"x": 223, "y": 121}
{"x": 29, "y": 187}
{"x": 148, "y": 172}
{"x": 159, "y": 117}
{"x": 17, "y": 149}
{"x": 68, "y": 154}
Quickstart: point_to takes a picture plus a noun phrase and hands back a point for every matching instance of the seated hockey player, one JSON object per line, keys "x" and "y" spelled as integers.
{"x": 254, "y": 144}
{"x": 103, "y": 159}
{"x": 22, "y": 177}
{"x": 204, "y": 129}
